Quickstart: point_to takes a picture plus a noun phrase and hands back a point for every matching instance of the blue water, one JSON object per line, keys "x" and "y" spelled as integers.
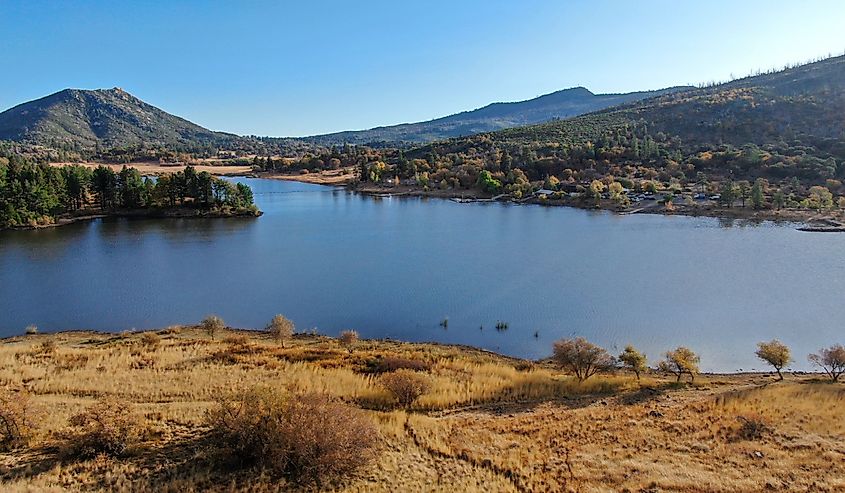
{"x": 395, "y": 267}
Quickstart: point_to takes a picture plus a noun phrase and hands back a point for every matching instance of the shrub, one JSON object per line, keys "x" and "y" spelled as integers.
{"x": 308, "y": 438}
{"x": 31, "y": 329}
{"x": 47, "y": 348}
{"x": 16, "y": 418}
{"x": 349, "y": 338}
{"x": 151, "y": 341}
{"x": 406, "y": 386}
{"x": 106, "y": 427}
{"x": 774, "y": 353}
{"x": 281, "y": 328}
{"x": 752, "y": 427}
{"x": 633, "y": 360}
{"x": 831, "y": 360}
{"x": 582, "y": 357}
{"x": 680, "y": 361}
{"x": 212, "y": 324}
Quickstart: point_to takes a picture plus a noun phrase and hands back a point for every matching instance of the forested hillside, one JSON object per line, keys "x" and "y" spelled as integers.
{"x": 557, "y": 105}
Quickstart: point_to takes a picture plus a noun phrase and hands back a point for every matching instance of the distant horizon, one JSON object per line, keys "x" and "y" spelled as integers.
{"x": 302, "y": 70}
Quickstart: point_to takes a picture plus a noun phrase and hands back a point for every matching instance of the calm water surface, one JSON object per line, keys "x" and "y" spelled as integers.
{"x": 396, "y": 267}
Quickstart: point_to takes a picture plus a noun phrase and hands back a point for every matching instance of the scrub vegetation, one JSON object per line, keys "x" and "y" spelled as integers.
{"x": 178, "y": 410}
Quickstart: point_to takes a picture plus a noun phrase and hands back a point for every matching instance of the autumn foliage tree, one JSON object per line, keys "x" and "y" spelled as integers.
{"x": 681, "y": 361}
{"x": 774, "y": 353}
{"x": 633, "y": 360}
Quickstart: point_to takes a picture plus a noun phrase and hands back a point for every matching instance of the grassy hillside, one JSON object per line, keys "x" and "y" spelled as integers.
{"x": 488, "y": 423}
{"x": 558, "y": 105}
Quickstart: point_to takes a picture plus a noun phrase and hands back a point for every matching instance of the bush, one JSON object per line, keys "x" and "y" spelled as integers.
{"x": 151, "y": 341}
{"x": 31, "y": 329}
{"x": 106, "y": 427}
{"x": 680, "y": 361}
{"x": 406, "y": 386}
{"x": 752, "y": 427}
{"x": 307, "y": 438}
{"x": 16, "y": 419}
{"x": 212, "y": 324}
{"x": 774, "y": 353}
{"x": 281, "y": 328}
{"x": 831, "y": 360}
{"x": 348, "y": 338}
{"x": 582, "y": 357}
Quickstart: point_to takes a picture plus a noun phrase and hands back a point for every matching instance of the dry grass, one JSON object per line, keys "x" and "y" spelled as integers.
{"x": 488, "y": 423}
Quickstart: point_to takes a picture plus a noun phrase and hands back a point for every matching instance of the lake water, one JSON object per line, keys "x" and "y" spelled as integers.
{"x": 396, "y": 267}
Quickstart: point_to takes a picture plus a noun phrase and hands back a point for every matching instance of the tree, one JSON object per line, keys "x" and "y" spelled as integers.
{"x": 774, "y": 353}
{"x": 744, "y": 189}
{"x": 582, "y": 357}
{"x": 633, "y": 360}
{"x": 281, "y": 328}
{"x": 758, "y": 201}
{"x": 728, "y": 193}
{"x": 779, "y": 199}
{"x": 679, "y": 361}
{"x": 104, "y": 186}
{"x": 348, "y": 338}
{"x": 831, "y": 360}
{"x": 596, "y": 189}
{"x": 406, "y": 386}
{"x": 212, "y": 324}
{"x": 820, "y": 198}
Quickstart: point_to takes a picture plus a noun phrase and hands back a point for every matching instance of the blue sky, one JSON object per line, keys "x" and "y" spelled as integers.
{"x": 289, "y": 69}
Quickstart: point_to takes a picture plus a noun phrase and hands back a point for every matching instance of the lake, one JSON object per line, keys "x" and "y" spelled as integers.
{"x": 396, "y": 267}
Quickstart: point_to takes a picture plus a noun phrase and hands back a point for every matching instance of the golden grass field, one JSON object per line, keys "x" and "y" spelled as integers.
{"x": 489, "y": 423}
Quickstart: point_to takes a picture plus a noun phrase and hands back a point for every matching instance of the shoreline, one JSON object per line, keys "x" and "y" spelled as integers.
{"x": 166, "y": 213}
{"x": 315, "y": 338}
{"x": 809, "y": 221}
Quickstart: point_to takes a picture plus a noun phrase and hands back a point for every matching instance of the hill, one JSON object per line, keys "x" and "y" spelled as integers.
{"x": 557, "y": 105}
{"x": 75, "y": 118}
{"x": 783, "y": 130}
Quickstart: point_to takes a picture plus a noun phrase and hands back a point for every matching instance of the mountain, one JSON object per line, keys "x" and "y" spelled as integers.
{"x": 557, "y": 105}
{"x": 780, "y": 125}
{"x": 104, "y": 117}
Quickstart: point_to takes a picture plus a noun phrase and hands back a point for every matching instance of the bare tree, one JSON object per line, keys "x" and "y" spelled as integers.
{"x": 349, "y": 338}
{"x": 406, "y": 386}
{"x": 831, "y": 360}
{"x": 212, "y": 324}
{"x": 582, "y": 357}
{"x": 281, "y": 328}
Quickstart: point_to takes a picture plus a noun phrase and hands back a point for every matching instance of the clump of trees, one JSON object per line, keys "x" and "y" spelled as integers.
{"x": 831, "y": 360}
{"x": 36, "y": 194}
{"x": 774, "y": 353}
{"x": 680, "y": 361}
{"x": 307, "y": 438}
{"x": 581, "y": 357}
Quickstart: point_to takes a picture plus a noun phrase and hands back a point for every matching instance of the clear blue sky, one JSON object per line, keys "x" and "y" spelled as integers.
{"x": 285, "y": 68}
